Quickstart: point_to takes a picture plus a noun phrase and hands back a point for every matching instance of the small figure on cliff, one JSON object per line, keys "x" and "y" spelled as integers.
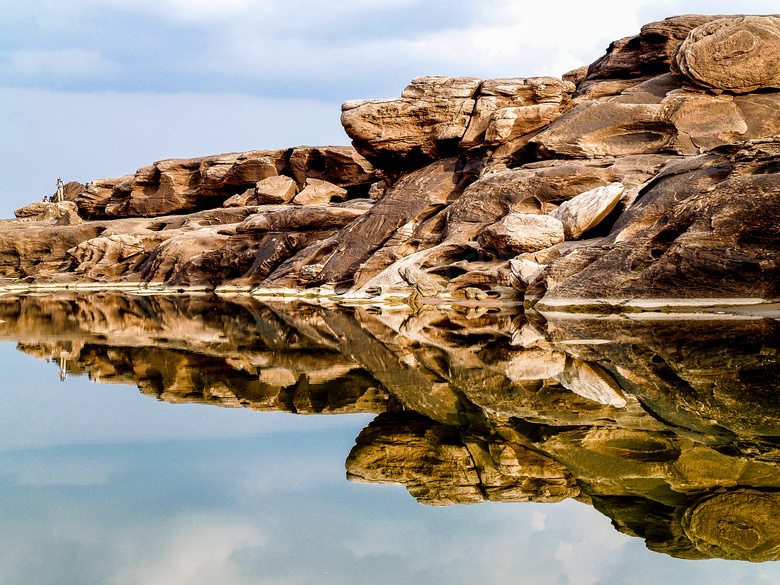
{"x": 60, "y": 191}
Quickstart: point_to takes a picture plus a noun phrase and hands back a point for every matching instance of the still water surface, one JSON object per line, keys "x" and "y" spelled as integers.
{"x": 102, "y": 483}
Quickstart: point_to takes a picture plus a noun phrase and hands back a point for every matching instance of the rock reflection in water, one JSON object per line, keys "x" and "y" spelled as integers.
{"x": 668, "y": 426}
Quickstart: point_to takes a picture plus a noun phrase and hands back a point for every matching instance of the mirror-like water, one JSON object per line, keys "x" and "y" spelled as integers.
{"x": 595, "y": 447}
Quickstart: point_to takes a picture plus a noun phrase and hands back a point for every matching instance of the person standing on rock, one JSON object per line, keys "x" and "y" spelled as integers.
{"x": 60, "y": 191}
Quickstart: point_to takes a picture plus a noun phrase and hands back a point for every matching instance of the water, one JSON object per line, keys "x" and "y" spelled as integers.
{"x": 208, "y": 474}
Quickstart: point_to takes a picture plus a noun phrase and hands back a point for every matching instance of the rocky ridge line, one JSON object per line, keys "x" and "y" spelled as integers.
{"x": 636, "y": 177}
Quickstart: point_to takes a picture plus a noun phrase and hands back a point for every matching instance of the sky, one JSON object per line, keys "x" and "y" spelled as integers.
{"x": 93, "y": 89}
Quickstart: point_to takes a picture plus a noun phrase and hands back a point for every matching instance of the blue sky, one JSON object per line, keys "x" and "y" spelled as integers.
{"x": 98, "y": 88}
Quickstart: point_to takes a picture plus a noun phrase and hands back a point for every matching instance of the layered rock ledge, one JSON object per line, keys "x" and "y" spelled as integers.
{"x": 649, "y": 176}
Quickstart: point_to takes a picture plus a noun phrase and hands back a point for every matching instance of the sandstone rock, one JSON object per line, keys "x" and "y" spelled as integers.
{"x": 740, "y": 54}
{"x": 294, "y": 218}
{"x": 736, "y": 525}
{"x": 62, "y": 213}
{"x": 248, "y": 197}
{"x": 526, "y": 271}
{"x": 648, "y": 53}
{"x": 425, "y": 123}
{"x": 508, "y": 108}
{"x": 274, "y": 190}
{"x": 317, "y": 192}
{"x": 693, "y": 233}
{"x": 36, "y": 250}
{"x": 522, "y": 232}
{"x": 92, "y": 201}
{"x": 377, "y": 190}
{"x": 592, "y": 382}
{"x": 538, "y": 187}
{"x": 586, "y": 210}
{"x": 413, "y": 198}
{"x": 657, "y": 116}
{"x": 339, "y": 165}
{"x": 105, "y": 256}
{"x": 180, "y": 185}
{"x": 536, "y": 364}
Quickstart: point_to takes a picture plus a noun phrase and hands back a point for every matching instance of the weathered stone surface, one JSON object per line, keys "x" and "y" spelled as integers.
{"x": 340, "y": 165}
{"x": 62, "y": 213}
{"x": 317, "y": 192}
{"x": 92, "y": 201}
{"x": 508, "y": 108}
{"x": 180, "y": 185}
{"x": 414, "y": 198}
{"x": 106, "y": 256}
{"x": 274, "y": 190}
{"x": 522, "y": 232}
{"x": 427, "y": 121}
{"x": 740, "y": 54}
{"x": 246, "y": 198}
{"x": 539, "y": 187}
{"x": 294, "y": 218}
{"x": 586, "y": 210}
{"x": 525, "y": 271}
{"x": 648, "y": 53}
{"x": 658, "y": 115}
{"x": 694, "y": 233}
{"x": 592, "y": 382}
{"x": 439, "y": 467}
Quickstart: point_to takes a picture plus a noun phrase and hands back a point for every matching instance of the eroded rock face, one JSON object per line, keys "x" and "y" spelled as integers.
{"x": 739, "y": 54}
{"x": 657, "y": 116}
{"x": 506, "y": 109}
{"x": 427, "y": 121}
{"x": 693, "y": 233}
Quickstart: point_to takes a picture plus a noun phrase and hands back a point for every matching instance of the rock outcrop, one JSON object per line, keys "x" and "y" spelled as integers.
{"x": 649, "y": 161}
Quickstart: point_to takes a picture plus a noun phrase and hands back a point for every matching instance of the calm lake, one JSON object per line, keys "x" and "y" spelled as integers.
{"x": 195, "y": 440}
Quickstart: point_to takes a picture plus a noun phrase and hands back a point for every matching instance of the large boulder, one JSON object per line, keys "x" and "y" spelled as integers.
{"x": 340, "y": 165}
{"x": 740, "y": 54}
{"x": 427, "y": 122}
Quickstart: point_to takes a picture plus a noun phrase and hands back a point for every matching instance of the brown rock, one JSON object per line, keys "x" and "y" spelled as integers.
{"x": 242, "y": 199}
{"x": 508, "y": 108}
{"x": 294, "y": 218}
{"x": 657, "y": 116}
{"x": 522, "y": 232}
{"x": 425, "y": 123}
{"x": 693, "y": 233}
{"x": 584, "y": 212}
{"x": 274, "y": 190}
{"x": 317, "y": 192}
{"x": 538, "y": 187}
{"x": 339, "y": 165}
{"x": 740, "y": 54}
{"x": 413, "y": 198}
{"x": 92, "y": 201}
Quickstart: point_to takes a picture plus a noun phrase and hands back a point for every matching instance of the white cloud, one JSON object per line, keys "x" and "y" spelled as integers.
{"x": 200, "y": 550}
{"x": 59, "y": 63}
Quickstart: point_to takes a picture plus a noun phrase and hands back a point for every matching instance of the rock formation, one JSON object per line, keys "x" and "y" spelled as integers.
{"x": 653, "y": 160}
{"x": 666, "y": 424}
